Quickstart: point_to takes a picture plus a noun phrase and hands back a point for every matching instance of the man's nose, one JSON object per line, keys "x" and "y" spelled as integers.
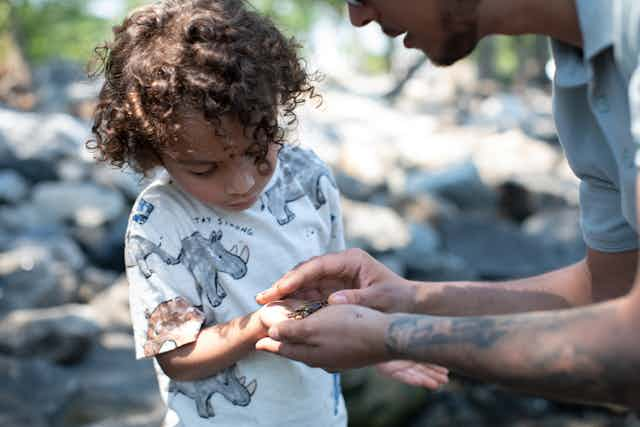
{"x": 361, "y": 15}
{"x": 240, "y": 182}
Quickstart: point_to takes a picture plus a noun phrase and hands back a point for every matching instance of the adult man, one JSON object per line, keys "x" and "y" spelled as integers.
{"x": 569, "y": 334}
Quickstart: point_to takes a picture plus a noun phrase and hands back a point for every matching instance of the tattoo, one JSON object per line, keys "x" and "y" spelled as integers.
{"x": 570, "y": 355}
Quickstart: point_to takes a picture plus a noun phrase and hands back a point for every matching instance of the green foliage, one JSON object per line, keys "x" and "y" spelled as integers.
{"x": 297, "y": 16}
{"x": 50, "y": 29}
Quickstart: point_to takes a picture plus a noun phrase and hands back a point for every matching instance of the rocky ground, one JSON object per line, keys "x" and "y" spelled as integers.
{"x": 457, "y": 180}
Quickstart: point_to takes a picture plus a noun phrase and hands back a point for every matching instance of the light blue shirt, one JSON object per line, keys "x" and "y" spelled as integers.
{"x": 593, "y": 117}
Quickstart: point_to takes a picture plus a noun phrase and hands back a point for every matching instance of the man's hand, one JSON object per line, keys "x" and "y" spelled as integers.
{"x": 334, "y": 338}
{"x": 414, "y": 373}
{"x": 350, "y": 277}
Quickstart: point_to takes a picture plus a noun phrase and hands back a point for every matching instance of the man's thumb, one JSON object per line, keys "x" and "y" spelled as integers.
{"x": 352, "y": 296}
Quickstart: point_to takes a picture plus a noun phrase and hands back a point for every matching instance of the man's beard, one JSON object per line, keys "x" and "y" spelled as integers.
{"x": 461, "y": 20}
{"x": 455, "y": 48}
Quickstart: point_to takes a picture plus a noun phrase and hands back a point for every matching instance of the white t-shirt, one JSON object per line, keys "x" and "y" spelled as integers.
{"x": 190, "y": 266}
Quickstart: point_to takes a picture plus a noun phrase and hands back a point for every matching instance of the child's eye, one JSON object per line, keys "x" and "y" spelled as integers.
{"x": 204, "y": 173}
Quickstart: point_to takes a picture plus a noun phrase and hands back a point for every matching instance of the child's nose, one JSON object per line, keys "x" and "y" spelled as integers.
{"x": 241, "y": 182}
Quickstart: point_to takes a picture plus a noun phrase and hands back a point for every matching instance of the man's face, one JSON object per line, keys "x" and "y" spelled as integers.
{"x": 445, "y": 30}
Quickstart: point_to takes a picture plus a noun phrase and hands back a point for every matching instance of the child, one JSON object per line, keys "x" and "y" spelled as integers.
{"x": 196, "y": 87}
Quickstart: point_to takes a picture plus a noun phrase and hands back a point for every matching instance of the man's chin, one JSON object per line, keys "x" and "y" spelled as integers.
{"x": 450, "y": 56}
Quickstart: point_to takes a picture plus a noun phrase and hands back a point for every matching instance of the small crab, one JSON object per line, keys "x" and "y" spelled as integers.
{"x": 307, "y": 309}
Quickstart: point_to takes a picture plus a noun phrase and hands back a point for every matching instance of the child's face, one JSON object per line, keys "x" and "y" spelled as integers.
{"x": 218, "y": 173}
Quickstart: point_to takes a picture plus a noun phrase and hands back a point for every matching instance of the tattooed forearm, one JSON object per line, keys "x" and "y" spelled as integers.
{"x": 583, "y": 354}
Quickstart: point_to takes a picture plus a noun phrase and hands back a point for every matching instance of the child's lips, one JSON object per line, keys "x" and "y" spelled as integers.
{"x": 247, "y": 201}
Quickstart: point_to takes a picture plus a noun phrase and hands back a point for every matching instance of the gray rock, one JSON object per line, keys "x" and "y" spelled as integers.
{"x": 104, "y": 245}
{"x": 73, "y": 169}
{"x": 500, "y": 250}
{"x": 352, "y": 188}
{"x": 33, "y": 170}
{"x": 13, "y": 187}
{"x": 393, "y": 262}
{"x": 460, "y": 184}
{"x": 374, "y": 228}
{"x": 112, "y": 382}
{"x": 42, "y": 136}
{"x": 125, "y": 181}
{"x": 93, "y": 281}
{"x": 424, "y": 244}
{"x": 60, "y": 334}
{"x": 38, "y": 389}
{"x": 85, "y": 204}
{"x": 27, "y": 217}
{"x": 39, "y": 274}
{"x": 111, "y": 307}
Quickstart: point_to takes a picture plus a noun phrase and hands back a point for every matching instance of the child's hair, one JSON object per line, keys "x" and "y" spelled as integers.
{"x": 175, "y": 57}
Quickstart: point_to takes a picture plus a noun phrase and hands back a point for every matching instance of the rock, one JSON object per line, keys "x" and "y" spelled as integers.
{"x": 504, "y": 111}
{"x": 60, "y": 334}
{"x": 104, "y": 245}
{"x": 125, "y": 181}
{"x": 374, "y": 227}
{"x": 34, "y": 389}
{"x": 424, "y": 244}
{"x": 541, "y": 127}
{"x": 85, "y": 204}
{"x": 73, "y": 170}
{"x": 27, "y": 217}
{"x": 500, "y": 250}
{"x": 560, "y": 229}
{"x": 352, "y": 188}
{"x": 381, "y": 401}
{"x": 393, "y": 262}
{"x": 113, "y": 384}
{"x": 39, "y": 274}
{"x": 93, "y": 281}
{"x": 505, "y": 156}
{"x": 442, "y": 267}
{"x": 367, "y": 162}
{"x": 146, "y": 419}
{"x": 111, "y": 307}
{"x": 46, "y": 137}
{"x": 460, "y": 185}
{"x": 423, "y": 208}
{"x": 13, "y": 187}
{"x": 33, "y": 170}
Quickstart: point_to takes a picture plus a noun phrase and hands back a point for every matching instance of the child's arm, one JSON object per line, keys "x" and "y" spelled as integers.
{"x": 217, "y": 347}
{"x": 220, "y": 346}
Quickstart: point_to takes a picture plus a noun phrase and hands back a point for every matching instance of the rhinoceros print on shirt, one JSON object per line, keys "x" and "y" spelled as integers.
{"x": 203, "y": 257}
{"x": 301, "y": 175}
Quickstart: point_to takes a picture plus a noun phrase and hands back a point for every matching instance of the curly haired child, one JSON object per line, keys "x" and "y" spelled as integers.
{"x": 205, "y": 89}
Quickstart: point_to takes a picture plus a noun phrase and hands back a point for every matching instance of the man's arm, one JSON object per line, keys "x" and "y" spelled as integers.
{"x": 588, "y": 354}
{"x": 599, "y": 277}
{"x": 354, "y": 277}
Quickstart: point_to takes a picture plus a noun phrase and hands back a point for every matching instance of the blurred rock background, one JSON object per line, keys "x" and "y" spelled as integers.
{"x": 447, "y": 174}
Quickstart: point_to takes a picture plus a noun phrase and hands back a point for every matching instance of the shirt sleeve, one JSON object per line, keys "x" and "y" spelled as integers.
{"x": 337, "y": 242}
{"x": 163, "y": 297}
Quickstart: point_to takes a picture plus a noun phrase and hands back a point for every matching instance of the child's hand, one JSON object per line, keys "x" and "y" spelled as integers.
{"x": 277, "y": 311}
{"x": 414, "y": 373}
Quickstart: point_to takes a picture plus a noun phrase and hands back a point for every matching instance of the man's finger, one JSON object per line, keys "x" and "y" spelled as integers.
{"x": 336, "y": 265}
{"x": 300, "y": 352}
{"x": 291, "y": 331}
